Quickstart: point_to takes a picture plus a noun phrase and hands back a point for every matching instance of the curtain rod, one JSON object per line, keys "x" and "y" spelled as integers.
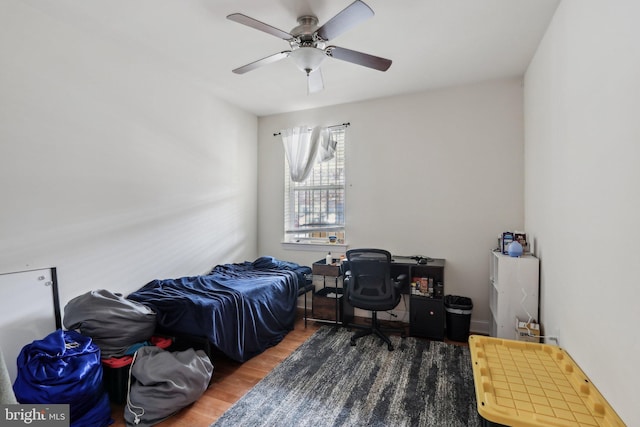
{"x": 328, "y": 127}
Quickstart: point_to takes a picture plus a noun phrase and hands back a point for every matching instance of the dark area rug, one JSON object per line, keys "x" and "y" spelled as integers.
{"x": 327, "y": 382}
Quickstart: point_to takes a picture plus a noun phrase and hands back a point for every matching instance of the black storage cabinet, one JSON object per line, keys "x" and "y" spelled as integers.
{"x": 426, "y": 317}
{"x": 458, "y": 317}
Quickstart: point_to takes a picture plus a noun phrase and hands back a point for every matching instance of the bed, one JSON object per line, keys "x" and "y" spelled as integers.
{"x": 241, "y": 309}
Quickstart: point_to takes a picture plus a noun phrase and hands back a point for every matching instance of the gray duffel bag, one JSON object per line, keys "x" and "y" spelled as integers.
{"x": 163, "y": 382}
{"x": 112, "y": 321}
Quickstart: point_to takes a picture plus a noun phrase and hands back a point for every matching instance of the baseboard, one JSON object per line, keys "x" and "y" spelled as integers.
{"x": 480, "y": 327}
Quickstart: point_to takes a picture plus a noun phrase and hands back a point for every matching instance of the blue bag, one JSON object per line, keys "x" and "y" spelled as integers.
{"x": 64, "y": 367}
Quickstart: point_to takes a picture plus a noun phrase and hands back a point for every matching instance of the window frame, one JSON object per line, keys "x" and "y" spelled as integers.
{"x": 316, "y": 183}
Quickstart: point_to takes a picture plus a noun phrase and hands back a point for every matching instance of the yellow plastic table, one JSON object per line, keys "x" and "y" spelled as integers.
{"x": 520, "y": 383}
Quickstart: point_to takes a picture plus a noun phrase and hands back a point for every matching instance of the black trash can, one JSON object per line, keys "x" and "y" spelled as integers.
{"x": 458, "y": 317}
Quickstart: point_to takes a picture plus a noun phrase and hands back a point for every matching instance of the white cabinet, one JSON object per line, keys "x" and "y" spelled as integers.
{"x": 513, "y": 292}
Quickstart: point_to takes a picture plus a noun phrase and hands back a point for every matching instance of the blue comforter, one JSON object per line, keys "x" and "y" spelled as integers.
{"x": 241, "y": 308}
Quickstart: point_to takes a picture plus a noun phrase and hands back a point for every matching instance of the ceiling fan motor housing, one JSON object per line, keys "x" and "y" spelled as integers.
{"x": 305, "y": 34}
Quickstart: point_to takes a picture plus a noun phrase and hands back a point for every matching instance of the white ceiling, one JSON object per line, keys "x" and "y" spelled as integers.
{"x": 433, "y": 44}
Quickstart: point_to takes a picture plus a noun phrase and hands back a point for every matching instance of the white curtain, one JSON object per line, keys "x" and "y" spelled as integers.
{"x": 304, "y": 147}
{"x": 301, "y": 148}
{"x": 326, "y": 146}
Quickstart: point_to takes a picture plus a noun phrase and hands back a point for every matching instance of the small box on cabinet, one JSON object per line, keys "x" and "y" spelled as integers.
{"x": 529, "y": 332}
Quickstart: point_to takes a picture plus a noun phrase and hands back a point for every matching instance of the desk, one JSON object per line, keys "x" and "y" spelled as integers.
{"x": 426, "y": 313}
{"x": 431, "y": 268}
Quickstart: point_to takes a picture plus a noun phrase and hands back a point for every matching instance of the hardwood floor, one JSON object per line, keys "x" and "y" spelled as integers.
{"x": 231, "y": 380}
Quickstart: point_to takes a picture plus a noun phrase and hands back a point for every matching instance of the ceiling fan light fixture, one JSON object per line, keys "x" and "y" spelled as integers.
{"x": 308, "y": 59}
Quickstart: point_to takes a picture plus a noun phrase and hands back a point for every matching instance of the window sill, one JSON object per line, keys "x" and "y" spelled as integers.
{"x": 314, "y": 246}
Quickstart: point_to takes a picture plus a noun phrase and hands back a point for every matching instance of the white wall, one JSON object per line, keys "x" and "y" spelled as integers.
{"x": 117, "y": 166}
{"x": 437, "y": 173}
{"x": 582, "y": 199}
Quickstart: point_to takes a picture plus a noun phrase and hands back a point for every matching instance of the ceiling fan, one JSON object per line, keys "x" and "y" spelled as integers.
{"x": 308, "y": 43}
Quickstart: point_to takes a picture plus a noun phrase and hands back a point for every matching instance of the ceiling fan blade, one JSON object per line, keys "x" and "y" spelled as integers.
{"x": 364, "y": 59}
{"x": 351, "y": 16}
{"x": 258, "y": 25}
{"x": 314, "y": 82}
{"x": 261, "y": 62}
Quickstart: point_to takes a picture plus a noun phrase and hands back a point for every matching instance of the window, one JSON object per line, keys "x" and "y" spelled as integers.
{"x": 314, "y": 208}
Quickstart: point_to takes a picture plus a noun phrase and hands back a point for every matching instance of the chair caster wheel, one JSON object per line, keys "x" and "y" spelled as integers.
{"x": 390, "y": 347}
{"x": 403, "y": 335}
{"x": 353, "y": 343}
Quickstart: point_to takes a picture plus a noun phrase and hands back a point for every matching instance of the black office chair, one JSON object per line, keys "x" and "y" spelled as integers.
{"x": 369, "y": 286}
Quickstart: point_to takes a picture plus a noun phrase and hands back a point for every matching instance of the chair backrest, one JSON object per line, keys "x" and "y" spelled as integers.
{"x": 370, "y": 285}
